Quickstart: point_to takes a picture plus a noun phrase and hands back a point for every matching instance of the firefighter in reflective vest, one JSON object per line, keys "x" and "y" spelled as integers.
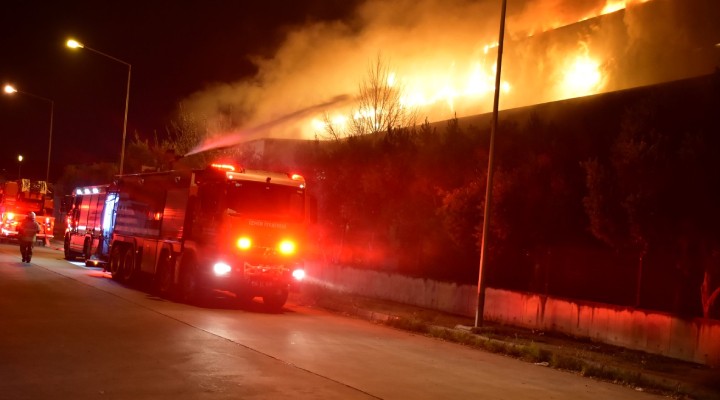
{"x": 27, "y": 234}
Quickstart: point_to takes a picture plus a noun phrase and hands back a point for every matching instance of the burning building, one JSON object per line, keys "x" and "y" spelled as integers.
{"x": 442, "y": 56}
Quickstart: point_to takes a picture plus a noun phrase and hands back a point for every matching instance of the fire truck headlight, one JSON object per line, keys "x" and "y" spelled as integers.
{"x": 244, "y": 243}
{"x": 221, "y": 269}
{"x": 10, "y": 216}
{"x": 286, "y": 247}
{"x": 298, "y": 274}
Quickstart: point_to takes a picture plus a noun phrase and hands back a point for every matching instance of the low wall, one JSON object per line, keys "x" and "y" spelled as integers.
{"x": 696, "y": 340}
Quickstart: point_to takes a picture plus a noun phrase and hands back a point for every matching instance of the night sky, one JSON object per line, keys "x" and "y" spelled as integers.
{"x": 175, "y": 49}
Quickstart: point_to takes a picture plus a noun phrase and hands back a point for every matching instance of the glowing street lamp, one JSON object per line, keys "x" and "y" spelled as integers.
{"x": 74, "y": 44}
{"x": 9, "y": 89}
{"x": 20, "y": 158}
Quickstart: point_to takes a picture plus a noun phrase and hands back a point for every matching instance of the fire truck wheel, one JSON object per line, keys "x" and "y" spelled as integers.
{"x": 86, "y": 249}
{"x": 165, "y": 276}
{"x": 275, "y": 301}
{"x": 128, "y": 272}
{"x": 190, "y": 288}
{"x": 69, "y": 254}
{"x": 116, "y": 262}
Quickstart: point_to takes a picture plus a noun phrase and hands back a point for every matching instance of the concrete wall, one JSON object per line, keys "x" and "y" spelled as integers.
{"x": 696, "y": 340}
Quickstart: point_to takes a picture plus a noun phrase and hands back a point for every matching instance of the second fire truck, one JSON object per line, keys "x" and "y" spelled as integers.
{"x": 192, "y": 231}
{"x": 84, "y": 222}
{"x": 17, "y": 199}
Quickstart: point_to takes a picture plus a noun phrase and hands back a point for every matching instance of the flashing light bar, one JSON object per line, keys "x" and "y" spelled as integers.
{"x": 226, "y": 167}
{"x": 89, "y": 190}
{"x": 298, "y": 177}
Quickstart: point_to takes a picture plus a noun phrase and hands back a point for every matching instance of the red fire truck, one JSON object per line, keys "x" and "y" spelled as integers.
{"x": 192, "y": 231}
{"x": 20, "y": 197}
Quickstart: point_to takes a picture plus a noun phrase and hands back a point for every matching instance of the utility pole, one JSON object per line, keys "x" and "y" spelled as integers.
{"x": 480, "y": 310}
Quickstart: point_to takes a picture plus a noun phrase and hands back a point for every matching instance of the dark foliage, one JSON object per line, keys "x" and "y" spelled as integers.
{"x": 591, "y": 196}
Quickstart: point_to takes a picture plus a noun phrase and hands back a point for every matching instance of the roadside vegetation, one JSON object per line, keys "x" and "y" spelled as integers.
{"x": 608, "y": 199}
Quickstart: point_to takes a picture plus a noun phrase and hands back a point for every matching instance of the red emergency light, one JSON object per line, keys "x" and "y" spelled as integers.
{"x": 244, "y": 243}
{"x": 286, "y": 247}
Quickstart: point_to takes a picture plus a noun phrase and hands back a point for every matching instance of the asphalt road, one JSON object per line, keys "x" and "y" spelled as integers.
{"x": 70, "y": 332}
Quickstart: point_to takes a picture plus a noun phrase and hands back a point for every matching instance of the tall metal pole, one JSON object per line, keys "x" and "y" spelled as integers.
{"x": 127, "y": 101}
{"x": 480, "y": 311}
{"x": 52, "y": 112}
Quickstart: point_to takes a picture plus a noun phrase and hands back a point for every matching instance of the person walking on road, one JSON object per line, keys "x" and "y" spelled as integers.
{"x": 27, "y": 234}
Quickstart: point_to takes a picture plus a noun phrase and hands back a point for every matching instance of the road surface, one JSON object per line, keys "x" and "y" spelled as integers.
{"x": 70, "y": 332}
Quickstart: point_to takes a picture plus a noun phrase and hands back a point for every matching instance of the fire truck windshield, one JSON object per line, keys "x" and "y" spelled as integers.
{"x": 263, "y": 199}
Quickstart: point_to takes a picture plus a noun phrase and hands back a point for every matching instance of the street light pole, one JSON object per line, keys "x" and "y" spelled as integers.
{"x": 20, "y": 158}
{"x": 10, "y": 90}
{"x": 480, "y": 310}
{"x": 75, "y": 44}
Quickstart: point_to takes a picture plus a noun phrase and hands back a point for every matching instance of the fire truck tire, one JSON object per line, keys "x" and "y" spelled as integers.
{"x": 190, "y": 288}
{"x": 69, "y": 254}
{"x": 129, "y": 272}
{"x": 275, "y": 301}
{"x": 164, "y": 281}
{"x": 86, "y": 249}
{"x": 116, "y": 261}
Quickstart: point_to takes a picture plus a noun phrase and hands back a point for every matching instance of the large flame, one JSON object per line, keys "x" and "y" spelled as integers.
{"x": 581, "y": 75}
{"x": 442, "y": 60}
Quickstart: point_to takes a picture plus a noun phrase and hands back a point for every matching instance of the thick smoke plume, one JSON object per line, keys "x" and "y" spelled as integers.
{"x": 441, "y": 45}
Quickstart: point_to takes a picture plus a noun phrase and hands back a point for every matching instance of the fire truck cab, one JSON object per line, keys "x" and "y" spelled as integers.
{"x": 195, "y": 231}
